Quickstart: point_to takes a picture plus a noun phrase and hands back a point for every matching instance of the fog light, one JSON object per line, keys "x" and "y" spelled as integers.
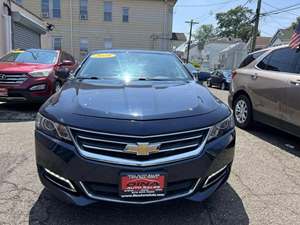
{"x": 38, "y": 87}
{"x": 59, "y": 180}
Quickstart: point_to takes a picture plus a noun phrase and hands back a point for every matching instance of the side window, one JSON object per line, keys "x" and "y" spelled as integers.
{"x": 250, "y": 58}
{"x": 281, "y": 60}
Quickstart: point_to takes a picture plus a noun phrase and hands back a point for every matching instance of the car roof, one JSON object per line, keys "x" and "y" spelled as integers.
{"x": 270, "y": 48}
{"x": 131, "y": 51}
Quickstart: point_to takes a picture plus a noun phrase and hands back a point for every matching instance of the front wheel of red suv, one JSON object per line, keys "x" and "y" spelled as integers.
{"x": 242, "y": 110}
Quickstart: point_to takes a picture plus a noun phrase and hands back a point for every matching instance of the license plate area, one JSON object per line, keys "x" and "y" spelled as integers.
{"x": 3, "y": 92}
{"x": 138, "y": 185}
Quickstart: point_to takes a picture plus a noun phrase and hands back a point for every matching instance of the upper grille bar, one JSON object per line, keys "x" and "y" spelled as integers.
{"x": 111, "y": 148}
{"x": 13, "y": 78}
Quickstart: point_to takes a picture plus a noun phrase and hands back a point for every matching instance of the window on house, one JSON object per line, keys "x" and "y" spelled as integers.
{"x": 83, "y": 9}
{"x": 107, "y": 11}
{"x": 84, "y": 47}
{"x": 107, "y": 43}
{"x": 45, "y": 8}
{"x": 56, "y": 9}
{"x": 57, "y": 43}
{"x": 125, "y": 14}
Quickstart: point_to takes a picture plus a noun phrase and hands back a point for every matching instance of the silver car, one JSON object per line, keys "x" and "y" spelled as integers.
{"x": 266, "y": 88}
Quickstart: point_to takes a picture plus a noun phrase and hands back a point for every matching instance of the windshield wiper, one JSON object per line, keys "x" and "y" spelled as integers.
{"x": 88, "y": 78}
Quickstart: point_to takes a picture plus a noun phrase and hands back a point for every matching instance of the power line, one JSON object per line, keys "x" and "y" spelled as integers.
{"x": 265, "y": 3}
{"x": 282, "y": 10}
{"x": 208, "y": 5}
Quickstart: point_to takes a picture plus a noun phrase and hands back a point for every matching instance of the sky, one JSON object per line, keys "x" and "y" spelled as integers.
{"x": 204, "y": 11}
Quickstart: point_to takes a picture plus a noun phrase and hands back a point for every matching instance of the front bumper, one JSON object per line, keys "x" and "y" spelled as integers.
{"x": 190, "y": 175}
{"x": 22, "y": 92}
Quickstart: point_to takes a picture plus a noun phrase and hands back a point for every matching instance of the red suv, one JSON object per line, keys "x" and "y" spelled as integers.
{"x": 30, "y": 75}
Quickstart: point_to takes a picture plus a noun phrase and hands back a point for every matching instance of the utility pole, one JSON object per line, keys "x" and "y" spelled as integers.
{"x": 255, "y": 30}
{"x": 192, "y": 22}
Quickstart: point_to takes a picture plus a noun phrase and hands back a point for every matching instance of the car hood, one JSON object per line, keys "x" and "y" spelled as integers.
{"x": 141, "y": 100}
{"x": 15, "y": 67}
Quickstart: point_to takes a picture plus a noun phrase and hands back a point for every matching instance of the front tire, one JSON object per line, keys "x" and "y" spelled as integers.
{"x": 208, "y": 83}
{"x": 223, "y": 86}
{"x": 242, "y": 110}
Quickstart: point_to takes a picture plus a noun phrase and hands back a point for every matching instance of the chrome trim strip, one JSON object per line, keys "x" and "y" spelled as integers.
{"x": 126, "y": 143}
{"x": 72, "y": 188}
{"x": 178, "y": 148}
{"x": 132, "y": 136}
{"x": 121, "y": 151}
{"x": 131, "y": 162}
{"x": 207, "y": 183}
{"x": 13, "y": 98}
{"x": 102, "y": 149}
{"x": 136, "y": 202}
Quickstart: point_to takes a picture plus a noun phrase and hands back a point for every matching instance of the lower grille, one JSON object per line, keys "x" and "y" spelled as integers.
{"x": 12, "y": 78}
{"x": 108, "y": 192}
{"x": 98, "y": 145}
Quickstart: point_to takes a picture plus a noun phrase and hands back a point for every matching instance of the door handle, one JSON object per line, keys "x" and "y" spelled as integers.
{"x": 254, "y": 77}
{"x": 297, "y": 83}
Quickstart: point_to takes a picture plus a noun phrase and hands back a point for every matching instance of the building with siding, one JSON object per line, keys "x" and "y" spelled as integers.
{"x": 19, "y": 28}
{"x": 85, "y": 25}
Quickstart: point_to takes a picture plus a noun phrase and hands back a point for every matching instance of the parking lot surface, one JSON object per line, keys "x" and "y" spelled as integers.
{"x": 264, "y": 187}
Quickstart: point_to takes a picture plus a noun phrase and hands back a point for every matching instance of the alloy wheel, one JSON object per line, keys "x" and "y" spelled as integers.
{"x": 241, "y": 111}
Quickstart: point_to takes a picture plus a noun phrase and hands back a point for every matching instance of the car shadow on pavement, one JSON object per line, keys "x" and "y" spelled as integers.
{"x": 224, "y": 207}
{"x": 278, "y": 138}
{"x": 18, "y": 112}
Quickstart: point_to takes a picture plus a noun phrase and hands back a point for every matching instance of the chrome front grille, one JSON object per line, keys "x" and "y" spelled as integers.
{"x": 12, "y": 78}
{"x": 112, "y": 147}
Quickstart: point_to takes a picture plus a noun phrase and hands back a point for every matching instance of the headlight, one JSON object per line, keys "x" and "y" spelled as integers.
{"x": 221, "y": 128}
{"x": 41, "y": 73}
{"x": 52, "y": 128}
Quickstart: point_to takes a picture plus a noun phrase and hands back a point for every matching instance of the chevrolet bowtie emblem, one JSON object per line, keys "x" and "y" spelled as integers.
{"x": 142, "y": 149}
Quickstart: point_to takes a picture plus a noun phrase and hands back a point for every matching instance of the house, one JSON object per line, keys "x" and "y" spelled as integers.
{"x": 281, "y": 37}
{"x": 85, "y": 25}
{"x": 232, "y": 56}
{"x": 19, "y": 28}
{"x": 210, "y": 53}
{"x": 261, "y": 43}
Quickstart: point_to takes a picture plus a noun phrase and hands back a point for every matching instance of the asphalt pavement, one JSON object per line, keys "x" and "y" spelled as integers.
{"x": 264, "y": 187}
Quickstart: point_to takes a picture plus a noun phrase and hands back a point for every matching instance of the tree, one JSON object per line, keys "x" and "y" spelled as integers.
{"x": 204, "y": 33}
{"x": 235, "y": 23}
{"x": 295, "y": 24}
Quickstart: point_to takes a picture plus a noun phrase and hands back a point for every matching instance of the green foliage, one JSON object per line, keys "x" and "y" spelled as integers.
{"x": 235, "y": 23}
{"x": 294, "y": 24}
{"x": 204, "y": 33}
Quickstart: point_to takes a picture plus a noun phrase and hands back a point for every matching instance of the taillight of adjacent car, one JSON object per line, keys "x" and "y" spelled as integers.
{"x": 234, "y": 73}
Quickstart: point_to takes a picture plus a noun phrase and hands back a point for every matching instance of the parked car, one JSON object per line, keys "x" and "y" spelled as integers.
{"x": 31, "y": 75}
{"x": 267, "y": 90}
{"x": 133, "y": 127}
{"x": 199, "y": 75}
{"x": 221, "y": 79}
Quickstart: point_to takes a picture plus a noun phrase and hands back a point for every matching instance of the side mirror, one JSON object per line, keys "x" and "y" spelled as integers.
{"x": 66, "y": 63}
{"x": 203, "y": 76}
{"x": 63, "y": 73}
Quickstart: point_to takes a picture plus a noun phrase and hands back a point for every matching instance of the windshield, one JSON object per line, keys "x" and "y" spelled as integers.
{"x": 10, "y": 57}
{"x": 133, "y": 66}
{"x": 31, "y": 56}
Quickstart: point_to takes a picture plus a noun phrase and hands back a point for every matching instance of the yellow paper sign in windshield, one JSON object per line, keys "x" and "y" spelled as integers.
{"x": 17, "y": 51}
{"x": 103, "y": 56}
